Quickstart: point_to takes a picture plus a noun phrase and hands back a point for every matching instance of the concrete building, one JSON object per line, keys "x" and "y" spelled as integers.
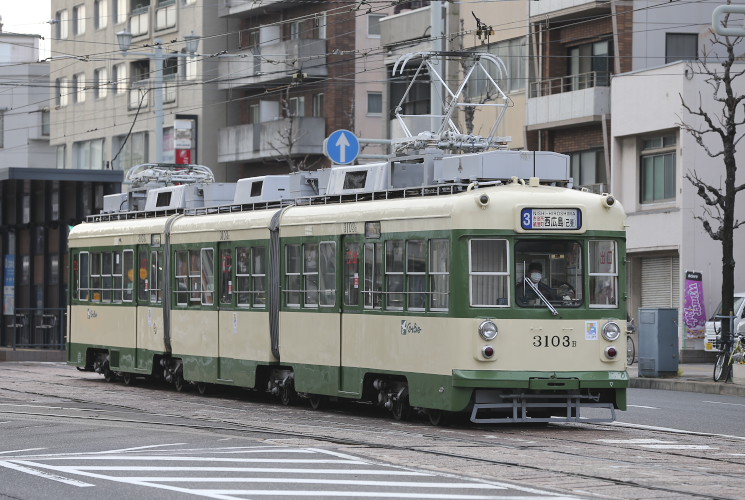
{"x": 24, "y": 103}
{"x": 650, "y": 157}
{"x": 104, "y": 110}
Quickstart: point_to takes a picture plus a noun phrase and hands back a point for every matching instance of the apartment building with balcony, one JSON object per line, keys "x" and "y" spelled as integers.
{"x": 103, "y": 113}
{"x": 296, "y": 72}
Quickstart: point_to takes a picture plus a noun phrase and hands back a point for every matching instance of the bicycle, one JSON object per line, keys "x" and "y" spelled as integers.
{"x": 731, "y": 352}
{"x": 630, "y": 346}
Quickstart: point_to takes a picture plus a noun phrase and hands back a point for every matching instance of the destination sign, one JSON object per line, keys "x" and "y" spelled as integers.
{"x": 550, "y": 219}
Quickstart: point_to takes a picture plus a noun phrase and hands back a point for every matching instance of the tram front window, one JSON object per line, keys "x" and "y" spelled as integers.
{"x": 548, "y": 271}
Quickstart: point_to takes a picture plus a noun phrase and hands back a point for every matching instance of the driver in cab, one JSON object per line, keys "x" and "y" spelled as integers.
{"x": 526, "y": 296}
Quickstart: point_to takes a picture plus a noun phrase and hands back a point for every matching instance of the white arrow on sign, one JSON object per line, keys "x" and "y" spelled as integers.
{"x": 342, "y": 143}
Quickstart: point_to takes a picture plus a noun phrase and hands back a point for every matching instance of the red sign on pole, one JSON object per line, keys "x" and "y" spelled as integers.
{"x": 183, "y": 156}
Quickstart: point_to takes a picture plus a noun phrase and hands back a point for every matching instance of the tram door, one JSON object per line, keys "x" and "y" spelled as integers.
{"x": 351, "y": 317}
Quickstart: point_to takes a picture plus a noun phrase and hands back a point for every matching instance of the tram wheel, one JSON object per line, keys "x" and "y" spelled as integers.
{"x": 317, "y": 401}
{"x": 202, "y": 388}
{"x": 179, "y": 382}
{"x": 401, "y": 409}
{"x": 287, "y": 394}
{"x": 438, "y": 418}
{"x": 128, "y": 378}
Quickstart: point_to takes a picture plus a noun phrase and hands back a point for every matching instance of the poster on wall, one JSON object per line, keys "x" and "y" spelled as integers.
{"x": 9, "y": 285}
{"x": 694, "y": 310}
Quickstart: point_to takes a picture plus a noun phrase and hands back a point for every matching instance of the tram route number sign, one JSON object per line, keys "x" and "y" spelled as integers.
{"x": 550, "y": 219}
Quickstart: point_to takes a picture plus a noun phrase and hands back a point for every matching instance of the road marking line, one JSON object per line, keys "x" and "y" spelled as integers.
{"x": 20, "y": 451}
{"x": 135, "y": 458}
{"x": 676, "y": 431}
{"x": 45, "y": 475}
{"x": 678, "y": 447}
{"x": 386, "y": 484}
{"x": 722, "y": 403}
{"x": 361, "y": 494}
{"x": 123, "y": 450}
{"x": 632, "y": 441}
{"x": 646, "y": 407}
{"x": 231, "y": 469}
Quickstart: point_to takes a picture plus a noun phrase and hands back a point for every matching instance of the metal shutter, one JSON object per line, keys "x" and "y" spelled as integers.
{"x": 660, "y": 281}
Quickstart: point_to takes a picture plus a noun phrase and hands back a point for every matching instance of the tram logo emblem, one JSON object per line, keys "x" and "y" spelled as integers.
{"x": 407, "y": 327}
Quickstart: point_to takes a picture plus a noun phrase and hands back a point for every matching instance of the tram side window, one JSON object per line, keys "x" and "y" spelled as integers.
{"x": 182, "y": 277}
{"x": 489, "y": 273}
{"x": 416, "y": 267}
{"x": 327, "y": 274}
{"x": 439, "y": 274}
{"x": 394, "y": 274}
{"x": 352, "y": 274}
{"x": 603, "y": 274}
{"x": 96, "y": 277}
{"x": 258, "y": 276}
{"x": 373, "y": 286}
{"x": 145, "y": 282}
{"x": 156, "y": 278}
{"x": 84, "y": 276}
{"x": 310, "y": 274}
{"x": 207, "y": 274}
{"x": 293, "y": 267}
{"x": 128, "y": 275}
{"x": 226, "y": 278}
{"x": 243, "y": 276}
{"x": 107, "y": 266}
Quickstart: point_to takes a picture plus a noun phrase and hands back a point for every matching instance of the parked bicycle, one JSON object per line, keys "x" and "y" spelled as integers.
{"x": 630, "y": 346}
{"x": 732, "y": 352}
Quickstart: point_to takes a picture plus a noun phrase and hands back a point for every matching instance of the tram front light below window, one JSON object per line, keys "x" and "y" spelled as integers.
{"x": 487, "y": 351}
{"x": 488, "y": 330}
{"x": 611, "y": 331}
{"x": 611, "y": 352}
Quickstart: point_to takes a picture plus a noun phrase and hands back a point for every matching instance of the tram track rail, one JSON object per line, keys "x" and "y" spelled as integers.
{"x": 432, "y": 442}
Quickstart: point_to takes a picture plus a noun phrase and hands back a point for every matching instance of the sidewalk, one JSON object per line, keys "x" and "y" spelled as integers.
{"x": 692, "y": 377}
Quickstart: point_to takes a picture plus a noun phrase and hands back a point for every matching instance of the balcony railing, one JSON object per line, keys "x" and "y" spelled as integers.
{"x": 270, "y": 139}
{"x": 233, "y": 7}
{"x": 35, "y": 328}
{"x": 275, "y": 62}
{"x": 569, "y": 83}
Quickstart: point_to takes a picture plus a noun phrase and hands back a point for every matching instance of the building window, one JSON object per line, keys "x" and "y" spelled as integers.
{"x": 319, "y": 102}
{"x": 88, "y": 155}
{"x": 296, "y": 106}
{"x": 190, "y": 66}
{"x": 294, "y": 30}
{"x": 61, "y": 92}
{"x": 139, "y": 17}
{"x": 373, "y": 25}
{"x": 119, "y": 78}
{"x": 101, "y": 13}
{"x": 320, "y": 22}
{"x": 78, "y": 19}
{"x": 78, "y": 83}
{"x": 62, "y": 24}
{"x": 101, "y": 82}
{"x": 681, "y": 47}
{"x": 512, "y": 53}
{"x": 165, "y": 14}
{"x": 658, "y": 169}
{"x": 120, "y": 11}
{"x": 170, "y": 71}
{"x": 46, "y": 124}
{"x": 61, "y": 156}
{"x": 2, "y": 129}
{"x": 129, "y": 151}
{"x": 589, "y": 65}
{"x": 588, "y": 167}
{"x": 374, "y": 103}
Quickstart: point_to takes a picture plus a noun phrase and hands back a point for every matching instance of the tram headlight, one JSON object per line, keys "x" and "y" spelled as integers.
{"x": 488, "y": 330}
{"x": 611, "y": 331}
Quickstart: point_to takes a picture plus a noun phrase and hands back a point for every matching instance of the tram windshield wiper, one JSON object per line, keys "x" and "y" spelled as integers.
{"x": 534, "y": 287}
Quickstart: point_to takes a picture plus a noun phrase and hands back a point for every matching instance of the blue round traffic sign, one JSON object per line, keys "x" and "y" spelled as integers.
{"x": 342, "y": 147}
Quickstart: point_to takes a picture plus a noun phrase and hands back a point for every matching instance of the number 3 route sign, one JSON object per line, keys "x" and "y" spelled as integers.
{"x": 342, "y": 147}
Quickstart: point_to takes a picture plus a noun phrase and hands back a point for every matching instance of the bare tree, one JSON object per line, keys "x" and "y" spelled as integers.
{"x": 288, "y": 137}
{"x": 717, "y": 133}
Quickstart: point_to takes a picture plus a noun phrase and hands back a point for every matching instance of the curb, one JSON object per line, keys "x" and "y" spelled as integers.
{"x": 725, "y": 389}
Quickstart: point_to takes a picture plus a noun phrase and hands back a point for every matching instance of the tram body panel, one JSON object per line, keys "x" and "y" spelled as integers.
{"x": 194, "y": 339}
{"x": 150, "y": 336}
{"x": 90, "y": 327}
{"x": 244, "y": 343}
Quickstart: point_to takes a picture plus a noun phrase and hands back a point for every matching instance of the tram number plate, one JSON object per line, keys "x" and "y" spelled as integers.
{"x": 550, "y": 218}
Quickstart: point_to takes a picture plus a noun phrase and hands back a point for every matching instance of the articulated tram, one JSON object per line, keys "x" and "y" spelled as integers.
{"x": 456, "y": 278}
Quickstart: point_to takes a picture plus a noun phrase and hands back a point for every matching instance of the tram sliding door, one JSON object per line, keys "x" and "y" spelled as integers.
{"x": 352, "y": 318}
{"x": 150, "y": 331}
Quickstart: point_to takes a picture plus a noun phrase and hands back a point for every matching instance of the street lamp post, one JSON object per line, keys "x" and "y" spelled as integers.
{"x": 125, "y": 41}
